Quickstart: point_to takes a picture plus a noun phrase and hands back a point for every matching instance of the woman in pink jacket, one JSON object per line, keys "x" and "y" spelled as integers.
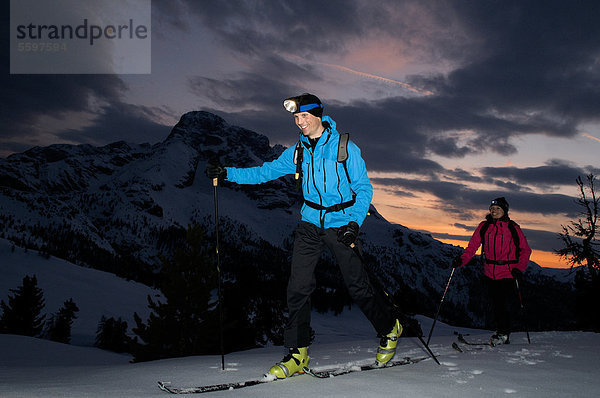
{"x": 505, "y": 254}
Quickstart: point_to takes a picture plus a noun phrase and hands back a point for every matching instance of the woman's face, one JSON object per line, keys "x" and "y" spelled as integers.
{"x": 496, "y": 212}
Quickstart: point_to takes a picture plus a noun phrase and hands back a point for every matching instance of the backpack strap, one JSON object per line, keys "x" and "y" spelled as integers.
{"x": 482, "y": 232}
{"x": 515, "y": 236}
{"x": 343, "y": 147}
{"x": 342, "y": 154}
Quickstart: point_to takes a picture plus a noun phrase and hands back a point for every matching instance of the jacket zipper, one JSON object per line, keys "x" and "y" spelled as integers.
{"x": 338, "y": 188}
{"x": 324, "y": 178}
{"x": 494, "y": 248}
{"x": 312, "y": 164}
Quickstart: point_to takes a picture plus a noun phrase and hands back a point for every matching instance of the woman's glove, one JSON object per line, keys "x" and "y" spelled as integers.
{"x": 516, "y": 273}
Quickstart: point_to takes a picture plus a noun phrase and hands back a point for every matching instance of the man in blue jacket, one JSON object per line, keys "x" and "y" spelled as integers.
{"x": 337, "y": 196}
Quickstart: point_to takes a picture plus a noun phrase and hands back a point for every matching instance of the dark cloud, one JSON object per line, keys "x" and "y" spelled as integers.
{"x": 462, "y": 175}
{"x": 537, "y": 63}
{"x": 121, "y": 123}
{"x": 26, "y": 98}
{"x": 543, "y": 240}
{"x": 459, "y": 197}
{"x": 555, "y": 172}
{"x": 260, "y": 89}
{"x": 311, "y": 27}
{"x": 438, "y": 235}
{"x": 256, "y": 28}
{"x": 464, "y": 226}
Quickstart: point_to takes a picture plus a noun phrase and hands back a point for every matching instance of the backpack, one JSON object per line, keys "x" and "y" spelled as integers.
{"x": 513, "y": 232}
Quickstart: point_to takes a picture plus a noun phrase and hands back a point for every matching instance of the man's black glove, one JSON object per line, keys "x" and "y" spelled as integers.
{"x": 457, "y": 261}
{"x": 516, "y": 273}
{"x": 214, "y": 169}
{"x": 348, "y": 233}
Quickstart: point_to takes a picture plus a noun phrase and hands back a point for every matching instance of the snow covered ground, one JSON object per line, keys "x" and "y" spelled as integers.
{"x": 555, "y": 364}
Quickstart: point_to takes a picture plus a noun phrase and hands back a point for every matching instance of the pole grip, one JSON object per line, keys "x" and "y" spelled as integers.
{"x": 215, "y": 182}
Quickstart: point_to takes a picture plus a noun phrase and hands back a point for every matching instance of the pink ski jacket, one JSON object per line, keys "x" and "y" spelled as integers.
{"x": 500, "y": 250}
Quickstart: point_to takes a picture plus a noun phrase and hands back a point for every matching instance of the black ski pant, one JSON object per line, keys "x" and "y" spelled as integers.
{"x": 310, "y": 240}
{"x": 503, "y": 296}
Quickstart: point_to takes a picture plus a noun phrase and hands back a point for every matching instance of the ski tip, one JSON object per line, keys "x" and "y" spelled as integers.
{"x": 164, "y": 385}
{"x": 456, "y": 347}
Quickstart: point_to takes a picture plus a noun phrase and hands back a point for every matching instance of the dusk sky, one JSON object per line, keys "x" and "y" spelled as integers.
{"x": 453, "y": 103}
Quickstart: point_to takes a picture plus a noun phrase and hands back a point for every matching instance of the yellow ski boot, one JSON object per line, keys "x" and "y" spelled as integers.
{"x": 387, "y": 345}
{"x": 292, "y": 363}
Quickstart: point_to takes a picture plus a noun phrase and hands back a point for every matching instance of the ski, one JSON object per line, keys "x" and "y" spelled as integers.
{"x": 345, "y": 369}
{"x": 166, "y": 386}
{"x": 322, "y": 374}
{"x": 462, "y": 340}
{"x": 458, "y": 348}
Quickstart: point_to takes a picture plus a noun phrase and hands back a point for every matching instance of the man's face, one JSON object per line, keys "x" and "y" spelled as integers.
{"x": 496, "y": 212}
{"x": 309, "y": 124}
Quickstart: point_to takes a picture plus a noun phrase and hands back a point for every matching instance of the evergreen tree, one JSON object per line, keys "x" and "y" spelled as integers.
{"x": 112, "y": 335}
{"x": 586, "y": 250}
{"x": 22, "y": 314}
{"x": 582, "y": 249}
{"x": 59, "y": 324}
{"x": 185, "y": 321}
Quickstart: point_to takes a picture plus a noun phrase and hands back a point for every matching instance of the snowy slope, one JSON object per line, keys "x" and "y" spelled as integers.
{"x": 555, "y": 364}
{"x": 96, "y": 293}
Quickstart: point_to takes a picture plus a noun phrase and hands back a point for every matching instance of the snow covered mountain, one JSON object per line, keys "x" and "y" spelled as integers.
{"x": 115, "y": 208}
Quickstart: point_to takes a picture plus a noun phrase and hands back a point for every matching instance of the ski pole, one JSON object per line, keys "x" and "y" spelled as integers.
{"x": 522, "y": 309}
{"x": 440, "y": 306}
{"x": 373, "y": 278}
{"x": 215, "y": 184}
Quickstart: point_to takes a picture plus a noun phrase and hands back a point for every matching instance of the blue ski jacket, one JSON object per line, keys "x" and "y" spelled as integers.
{"x": 324, "y": 180}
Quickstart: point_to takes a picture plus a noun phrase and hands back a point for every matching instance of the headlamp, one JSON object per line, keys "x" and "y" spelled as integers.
{"x": 302, "y": 103}
{"x": 291, "y": 105}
